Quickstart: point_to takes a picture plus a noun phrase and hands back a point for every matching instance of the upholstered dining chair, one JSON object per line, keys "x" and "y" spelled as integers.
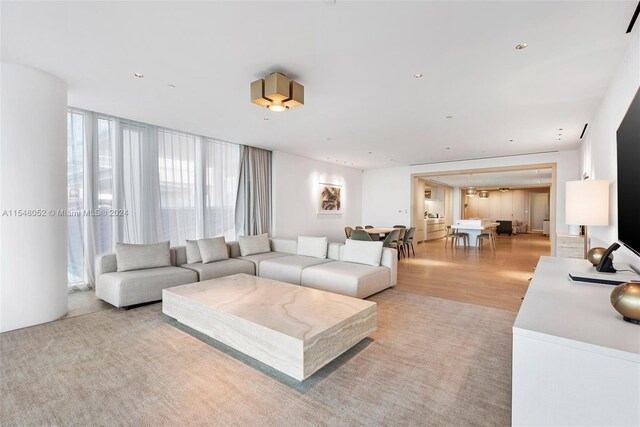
{"x": 391, "y": 241}
{"x": 399, "y": 226}
{"x": 359, "y": 227}
{"x": 360, "y": 235}
{"x": 408, "y": 242}
{"x": 374, "y": 237}
{"x": 348, "y": 231}
{"x": 403, "y": 232}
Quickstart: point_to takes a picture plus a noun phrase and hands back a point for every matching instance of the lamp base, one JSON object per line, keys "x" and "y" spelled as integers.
{"x": 637, "y": 322}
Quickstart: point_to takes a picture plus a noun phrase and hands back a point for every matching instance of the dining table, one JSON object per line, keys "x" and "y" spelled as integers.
{"x": 380, "y": 230}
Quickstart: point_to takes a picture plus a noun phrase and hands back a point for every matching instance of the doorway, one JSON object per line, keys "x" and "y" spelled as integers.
{"x": 539, "y": 211}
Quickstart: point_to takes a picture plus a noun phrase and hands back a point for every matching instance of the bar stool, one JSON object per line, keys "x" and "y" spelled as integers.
{"x": 486, "y": 236}
{"x": 454, "y": 236}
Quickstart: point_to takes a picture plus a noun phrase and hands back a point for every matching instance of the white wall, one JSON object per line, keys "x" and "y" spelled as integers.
{"x": 33, "y": 175}
{"x": 387, "y": 192}
{"x": 598, "y": 151}
{"x": 295, "y": 193}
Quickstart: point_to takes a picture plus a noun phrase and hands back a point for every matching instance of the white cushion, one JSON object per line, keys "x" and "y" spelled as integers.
{"x": 251, "y": 245}
{"x": 193, "y": 252}
{"x": 313, "y": 246}
{"x": 212, "y": 250}
{"x": 136, "y": 257}
{"x": 362, "y": 252}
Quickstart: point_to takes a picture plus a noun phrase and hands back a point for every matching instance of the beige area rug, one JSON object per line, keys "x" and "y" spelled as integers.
{"x": 431, "y": 362}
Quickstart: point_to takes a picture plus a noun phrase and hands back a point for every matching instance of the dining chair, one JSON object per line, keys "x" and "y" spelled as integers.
{"x": 480, "y": 238}
{"x": 408, "y": 241}
{"x": 391, "y": 241}
{"x": 374, "y": 237}
{"x": 359, "y": 227}
{"x": 453, "y": 234}
{"x": 402, "y": 232}
{"x": 399, "y": 226}
{"x": 360, "y": 235}
{"x": 348, "y": 231}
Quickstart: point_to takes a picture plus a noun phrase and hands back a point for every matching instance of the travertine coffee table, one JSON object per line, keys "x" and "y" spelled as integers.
{"x": 293, "y": 329}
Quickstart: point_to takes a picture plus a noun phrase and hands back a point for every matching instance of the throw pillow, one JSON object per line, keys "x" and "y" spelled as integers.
{"x": 251, "y": 245}
{"x": 213, "y": 249}
{"x": 193, "y": 252}
{"x": 313, "y": 246}
{"x": 137, "y": 257}
{"x": 362, "y": 252}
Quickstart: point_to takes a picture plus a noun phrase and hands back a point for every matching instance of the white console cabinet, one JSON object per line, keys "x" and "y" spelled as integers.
{"x": 576, "y": 362}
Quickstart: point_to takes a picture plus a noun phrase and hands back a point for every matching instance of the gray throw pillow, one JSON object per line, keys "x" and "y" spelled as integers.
{"x": 193, "y": 252}
{"x": 213, "y": 249}
{"x": 137, "y": 257}
{"x": 251, "y": 245}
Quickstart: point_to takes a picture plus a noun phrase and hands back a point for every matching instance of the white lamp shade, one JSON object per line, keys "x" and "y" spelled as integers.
{"x": 587, "y": 202}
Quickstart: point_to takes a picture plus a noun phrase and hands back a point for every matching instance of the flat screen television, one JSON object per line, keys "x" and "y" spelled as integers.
{"x": 628, "y": 137}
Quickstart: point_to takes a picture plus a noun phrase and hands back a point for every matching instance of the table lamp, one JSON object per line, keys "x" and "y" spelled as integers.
{"x": 587, "y": 204}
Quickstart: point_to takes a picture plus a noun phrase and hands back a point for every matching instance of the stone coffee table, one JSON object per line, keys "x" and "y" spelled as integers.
{"x": 293, "y": 329}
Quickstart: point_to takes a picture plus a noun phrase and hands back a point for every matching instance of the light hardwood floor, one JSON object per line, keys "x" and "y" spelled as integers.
{"x": 496, "y": 279}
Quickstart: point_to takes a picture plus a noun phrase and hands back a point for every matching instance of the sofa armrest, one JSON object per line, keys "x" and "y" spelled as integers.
{"x": 333, "y": 251}
{"x": 284, "y": 245}
{"x": 390, "y": 260}
{"x": 106, "y": 263}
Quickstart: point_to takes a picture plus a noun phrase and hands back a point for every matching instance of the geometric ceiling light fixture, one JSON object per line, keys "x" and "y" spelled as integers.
{"x": 277, "y": 92}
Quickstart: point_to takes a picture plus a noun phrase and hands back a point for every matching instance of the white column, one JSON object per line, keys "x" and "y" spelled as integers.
{"x": 33, "y": 175}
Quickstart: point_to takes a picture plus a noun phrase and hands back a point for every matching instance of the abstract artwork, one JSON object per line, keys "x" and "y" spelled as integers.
{"x": 330, "y": 199}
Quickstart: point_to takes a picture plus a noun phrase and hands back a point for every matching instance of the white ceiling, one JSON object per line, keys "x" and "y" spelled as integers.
{"x": 356, "y": 61}
{"x": 492, "y": 180}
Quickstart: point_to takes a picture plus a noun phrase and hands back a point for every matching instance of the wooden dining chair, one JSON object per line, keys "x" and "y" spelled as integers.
{"x": 359, "y": 227}
{"x": 348, "y": 231}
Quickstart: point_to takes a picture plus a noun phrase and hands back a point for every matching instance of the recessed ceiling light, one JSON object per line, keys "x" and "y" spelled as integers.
{"x": 511, "y": 140}
{"x": 521, "y": 46}
{"x": 559, "y": 128}
{"x": 417, "y": 75}
{"x": 138, "y": 75}
{"x": 172, "y": 86}
{"x": 392, "y": 160}
{"x": 370, "y": 152}
{"x": 328, "y": 139}
{"x": 327, "y": 158}
{"x": 265, "y": 118}
{"x": 449, "y": 117}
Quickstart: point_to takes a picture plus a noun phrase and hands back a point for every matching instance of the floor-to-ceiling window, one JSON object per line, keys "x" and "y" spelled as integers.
{"x": 138, "y": 183}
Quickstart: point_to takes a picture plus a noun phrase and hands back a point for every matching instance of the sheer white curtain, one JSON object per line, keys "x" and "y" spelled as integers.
{"x": 222, "y": 166}
{"x": 177, "y": 165}
{"x": 150, "y": 183}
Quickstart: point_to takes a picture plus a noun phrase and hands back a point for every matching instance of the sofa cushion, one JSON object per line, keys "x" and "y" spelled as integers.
{"x": 289, "y": 268}
{"x": 251, "y": 245}
{"x": 213, "y": 249}
{"x": 136, "y": 257}
{"x": 362, "y": 252}
{"x": 355, "y": 280}
{"x": 313, "y": 246}
{"x": 258, "y": 258}
{"x": 136, "y": 287}
{"x": 193, "y": 251}
{"x": 222, "y": 268}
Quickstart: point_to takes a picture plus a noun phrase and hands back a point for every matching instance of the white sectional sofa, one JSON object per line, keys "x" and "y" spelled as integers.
{"x": 331, "y": 269}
